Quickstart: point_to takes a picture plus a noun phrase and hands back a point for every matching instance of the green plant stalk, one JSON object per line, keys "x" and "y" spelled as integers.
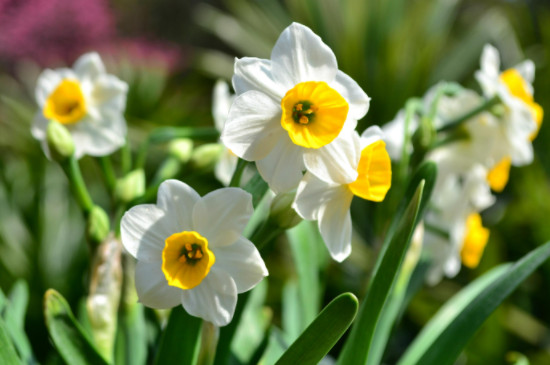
{"x": 72, "y": 170}
{"x": 126, "y": 158}
{"x": 412, "y": 106}
{"x": 236, "y": 178}
{"x": 108, "y": 172}
{"x": 488, "y": 104}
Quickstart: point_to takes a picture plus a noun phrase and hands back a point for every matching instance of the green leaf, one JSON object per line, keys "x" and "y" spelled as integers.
{"x": 70, "y": 340}
{"x": 7, "y": 351}
{"x": 448, "y": 344}
{"x": 14, "y": 318}
{"x": 180, "y": 340}
{"x": 257, "y": 187}
{"x": 323, "y": 333}
{"x": 357, "y": 348}
{"x": 448, "y": 312}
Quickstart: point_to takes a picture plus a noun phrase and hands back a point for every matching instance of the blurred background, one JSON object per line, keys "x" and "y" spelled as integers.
{"x": 171, "y": 53}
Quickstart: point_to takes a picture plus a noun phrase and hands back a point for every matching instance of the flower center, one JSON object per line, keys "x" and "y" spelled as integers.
{"x": 186, "y": 259}
{"x": 474, "y": 242}
{"x": 66, "y": 104}
{"x": 313, "y": 114}
{"x": 518, "y": 88}
{"x": 374, "y": 171}
{"x": 499, "y": 174}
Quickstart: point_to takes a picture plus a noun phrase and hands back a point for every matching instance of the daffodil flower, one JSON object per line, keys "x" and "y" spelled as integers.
{"x": 291, "y": 109}
{"x": 89, "y": 102}
{"x": 521, "y": 115}
{"x": 328, "y": 202}
{"x": 190, "y": 250}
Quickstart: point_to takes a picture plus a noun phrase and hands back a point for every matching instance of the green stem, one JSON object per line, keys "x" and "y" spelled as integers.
{"x": 236, "y": 178}
{"x": 108, "y": 172}
{"x": 265, "y": 233}
{"x": 411, "y": 108}
{"x": 488, "y": 104}
{"x": 126, "y": 158}
{"x": 436, "y": 230}
{"x": 72, "y": 170}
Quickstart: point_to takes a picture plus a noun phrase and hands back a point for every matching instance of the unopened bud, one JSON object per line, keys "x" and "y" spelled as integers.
{"x": 282, "y": 213}
{"x": 60, "y": 141}
{"x": 205, "y": 156}
{"x": 98, "y": 226}
{"x": 130, "y": 186}
{"x": 181, "y": 149}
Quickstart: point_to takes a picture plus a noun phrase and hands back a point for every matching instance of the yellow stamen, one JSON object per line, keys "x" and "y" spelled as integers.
{"x": 66, "y": 103}
{"x": 186, "y": 259}
{"x": 474, "y": 242}
{"x": 499, "y": 174}
{"x": 313, "y": 114}
{"x": 374, "y": 171}
{"x": 518, "y": 88}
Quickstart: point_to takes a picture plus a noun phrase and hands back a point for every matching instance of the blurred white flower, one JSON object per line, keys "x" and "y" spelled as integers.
{"x": 88, "y": 101}
{"x": 328, "y": 202}
{"x": 290, "y": 110}
{"x": 521, "y": 116}
{"x": 221, "y": 102}
{"x": 394, "y": 134}
{"x": 190, "y": 250}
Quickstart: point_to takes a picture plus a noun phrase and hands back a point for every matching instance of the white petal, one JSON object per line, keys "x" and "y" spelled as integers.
{"x": 253, "y": 126}
{"x": 225, "y": 167}
{"x": 89, "y": 66}
{"x": 358, "y": 100}
{"x": 221, "y": 215}
{"x": 177, "y": 200}
{"x": 221, "y": 103}
{"x": 255, "y": 74}
{"x": 527, "y": 70}
{"x": 371, "y": 135}
{"x": 110, "y": 92}
{"x": 152, "y": 288}
{"x": 143, "y": 230}
{"x": 337, "y": 161}
{"x": 214, "y": 300}
{"x": 243, "y": 262}
{"x": 48, "y": 82}
{"x": 282, "y": 168}
{"x": 101, "y": 136}
{"x": 490, "y": 61}
{"x": 335, "y": 223}
{"x": 38, "y": 131}
{"x": 311, "y": 194}
{"x": 300, "y": 55}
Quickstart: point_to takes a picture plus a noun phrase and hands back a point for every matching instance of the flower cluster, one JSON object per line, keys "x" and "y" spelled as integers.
{"x": 295, "y": 116}
{"x": 482, "y": 148}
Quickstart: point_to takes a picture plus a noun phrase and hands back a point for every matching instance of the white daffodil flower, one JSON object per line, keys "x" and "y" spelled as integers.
{"x": 290, "y": 110}
{"x": 328, "y": 202}
{"x": 521, "y": 115}
{"x": 89, "y": 102}
{"x": 453, "y": 226}
{"x": 221, "y": 102}
{"x": 190, "y": 250}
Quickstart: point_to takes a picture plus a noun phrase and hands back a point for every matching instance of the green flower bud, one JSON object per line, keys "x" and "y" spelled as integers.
{"x": 60, "y": 141}
{"x": 98, "y": 226}
{"x": 205, "y": 156}
{"x": 282, "y": 213}
{"x": 181, "y": 149}
{"x": 130, "y": 186}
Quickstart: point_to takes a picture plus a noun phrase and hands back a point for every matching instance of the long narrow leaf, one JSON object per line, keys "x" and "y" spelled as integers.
{"x": 180, "y": 340}
{"x": 71, "y": 341}
{"x": 357, "y": 347}
{"x": 7, "y": 351}
{"x": 323, "y": 333}
{"x": 449, "y": 342}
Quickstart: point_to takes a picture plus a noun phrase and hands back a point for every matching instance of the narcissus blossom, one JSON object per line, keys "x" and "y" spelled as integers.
{"x": 521, "y": 115}
{"x": 328, "y": 202}
{"x": 190, "y": 250}
{"x": 295, "y": 111}
{"x": 89, "y": 102}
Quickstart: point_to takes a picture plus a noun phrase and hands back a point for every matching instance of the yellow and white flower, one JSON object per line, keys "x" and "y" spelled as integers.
{"x": 190, "y": 250}
{"x": 291, "y": 109}
{"x": 521, "y": 115}
{"x": 89, "y": 102}
{"x": 329, "y": 202}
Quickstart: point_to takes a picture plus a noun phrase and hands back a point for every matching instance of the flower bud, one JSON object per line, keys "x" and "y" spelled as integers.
{"x": 281, "y": 211}
{"x": 181, "y": 149}
{"x": 98, "y": 226}
{"x": 130, "y": 186}
{"x": 205, "y": 156}
{"x": 60, "y": 141}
